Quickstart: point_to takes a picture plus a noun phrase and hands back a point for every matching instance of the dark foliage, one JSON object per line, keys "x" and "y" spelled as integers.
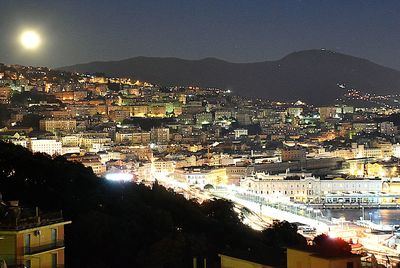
{"x": 147, "y": 123}
{"x": 31, "y": 120}
{"x": 395, "y": 118}
{"x": 114, "y": 86}
{"x": 26, "y": 97}
{"x": 329, "y": 246}
{"x": 5, "y": 115}
{"x": 283, "y": 234}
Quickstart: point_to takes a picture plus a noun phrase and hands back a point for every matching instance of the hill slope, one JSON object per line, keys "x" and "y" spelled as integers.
{"x": 132, "y": 225}
{"x": 310, "y": 75}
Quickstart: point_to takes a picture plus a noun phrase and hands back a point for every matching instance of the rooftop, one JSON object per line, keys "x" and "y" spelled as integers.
{"x": 16, "y": 218}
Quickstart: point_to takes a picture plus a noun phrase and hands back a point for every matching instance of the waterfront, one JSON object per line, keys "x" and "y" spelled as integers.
{"x": 389, "y": 216}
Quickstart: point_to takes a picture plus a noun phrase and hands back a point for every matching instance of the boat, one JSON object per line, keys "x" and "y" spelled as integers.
{"x": 375, "y": 227}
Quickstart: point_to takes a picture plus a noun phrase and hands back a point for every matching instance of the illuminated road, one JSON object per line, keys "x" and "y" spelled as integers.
{"x": 260, "y": 216}
{"x": 274, "y": 213}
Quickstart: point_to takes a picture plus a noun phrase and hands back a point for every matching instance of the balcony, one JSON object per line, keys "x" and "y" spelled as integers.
{"x": 35, "y": 249}
{"x": 23, "y": 266}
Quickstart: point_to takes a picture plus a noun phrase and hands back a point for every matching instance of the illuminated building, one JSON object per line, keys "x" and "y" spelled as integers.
{"x": 70, "y": 150}
{"x": 59, "y": 114}
{"x": 30, "y": 238}
{"x": 135, "y": 138}
{"x": 396, "y": 150}
{"x": 178, "y": 110}
{"x": 164, "y": 166}
{"x": 204, "y": 118}
{"x": 143, "y": 171}
{"x": 90, "y": 160}
{"x": 157, "y": 111}
{"x": 50, "y": 147}
{"x": 366, "y": 127}
{"x": 345, "y": 129}
{"x": 306, "y": 188}
{"x": 123, "y": 137}
{"x": 327, "y": 113}
{"x": 90, "y": 140}
{"x": 193, "y": 107}
{"x": 240, "y": 132}
{"x": 388, "y": 128}
{"x": 294, "y": 111}
{"x": 182, "y": 98}
{"x": 236, "y": 173}
{"x": 52, "y": 125}
{"x": 119, "y": 115}
{"x": 202, "y": 175}
{"x": 5, "y": 95}
{"x": 159, "y": 135}
{"x": 64, "y": 95}
{"x": 293, "y": 154}
{"x": 219, "y": 114}
{"x": 85, "y": 110}
{"x": 139, "y": 110}
{"x": 70, "y": 140}
{"x": 347, "y": 109}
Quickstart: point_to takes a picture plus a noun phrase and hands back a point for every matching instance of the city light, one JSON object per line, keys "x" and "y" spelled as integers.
{"x": 328, "y": 166}
{"x": 122, "y": 177}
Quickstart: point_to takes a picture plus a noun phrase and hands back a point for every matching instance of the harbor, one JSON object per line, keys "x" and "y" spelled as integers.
{"x": 371, "y": 231}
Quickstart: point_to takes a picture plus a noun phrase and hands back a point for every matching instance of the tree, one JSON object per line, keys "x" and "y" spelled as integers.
{"x": 283, "y": 234}
{"x": 331, "y": 246}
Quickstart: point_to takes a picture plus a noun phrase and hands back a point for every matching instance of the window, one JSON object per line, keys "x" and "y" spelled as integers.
{"x": 54, "y": 236}
{"x": 54, "y": 260}
{"x": 27, "y": 243}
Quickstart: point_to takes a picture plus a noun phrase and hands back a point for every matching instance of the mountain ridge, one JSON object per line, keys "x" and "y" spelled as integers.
{"x": 309, "y": 75}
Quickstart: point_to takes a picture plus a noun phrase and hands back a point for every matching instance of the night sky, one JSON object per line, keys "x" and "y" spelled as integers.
{"x": 238, "y": 31}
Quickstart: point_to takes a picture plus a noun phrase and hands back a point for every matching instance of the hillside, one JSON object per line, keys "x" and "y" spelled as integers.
{"x": 310, "y": 75}
{"x": 132, "y": 225}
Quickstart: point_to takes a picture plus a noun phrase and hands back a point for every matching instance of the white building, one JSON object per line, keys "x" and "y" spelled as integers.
{"x": 202, "y": 176}
{"x": 388, "y": 128}
{"x": 396, "y": 150}
{"x": 306, "y": 188}
{"x": 71, "y": 150}
{"x": 164, "y": 166}
{"x": 366, "y": 127}
{"x": 50, "y": 147}
{"x": 240, "y": 132}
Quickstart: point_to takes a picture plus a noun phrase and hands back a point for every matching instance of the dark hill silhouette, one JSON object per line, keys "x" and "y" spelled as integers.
{"x": 310, "y": 75}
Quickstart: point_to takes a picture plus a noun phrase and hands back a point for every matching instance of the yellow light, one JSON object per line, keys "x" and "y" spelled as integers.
{"x": 30, "y": 40}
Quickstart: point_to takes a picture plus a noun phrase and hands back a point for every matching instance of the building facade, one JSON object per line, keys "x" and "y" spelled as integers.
{"x": 31, "y": 239}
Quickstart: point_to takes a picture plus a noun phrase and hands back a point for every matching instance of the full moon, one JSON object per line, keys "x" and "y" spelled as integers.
{"x": 30, "y": 40}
